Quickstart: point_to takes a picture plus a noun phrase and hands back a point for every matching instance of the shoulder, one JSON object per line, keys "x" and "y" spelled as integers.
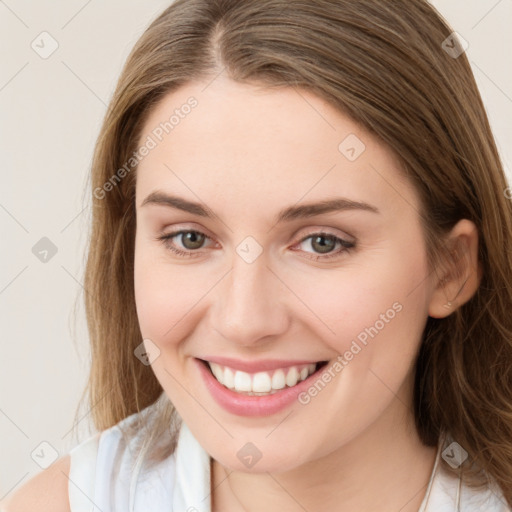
{"x": 107, "y": 463}
{"x": 45, "y": 492}
{"x": 70, "y": 480}
{"x": 53, "y": 489}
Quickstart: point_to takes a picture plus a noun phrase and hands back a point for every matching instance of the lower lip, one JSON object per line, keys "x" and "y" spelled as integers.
{"x": 245, "y": 405}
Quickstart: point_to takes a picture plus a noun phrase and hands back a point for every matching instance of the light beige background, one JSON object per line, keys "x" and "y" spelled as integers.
{"x": 50, "y": 114}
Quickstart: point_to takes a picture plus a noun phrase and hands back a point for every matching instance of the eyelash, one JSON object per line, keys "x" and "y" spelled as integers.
{"x": 346, "y": 246}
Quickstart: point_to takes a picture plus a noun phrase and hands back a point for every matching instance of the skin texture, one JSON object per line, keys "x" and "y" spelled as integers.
{"x": 246, "y": 153}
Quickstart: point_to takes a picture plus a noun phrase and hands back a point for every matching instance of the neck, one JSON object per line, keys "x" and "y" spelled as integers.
{"x": 384, "y": 468}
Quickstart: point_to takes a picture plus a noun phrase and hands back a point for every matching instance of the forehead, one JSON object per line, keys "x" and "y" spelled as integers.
{"x": 237, "y": 141}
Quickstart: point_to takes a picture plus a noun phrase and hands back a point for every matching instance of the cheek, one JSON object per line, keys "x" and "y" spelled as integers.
{"x": 161, "y": 295}
{"x": 374, "y": 313}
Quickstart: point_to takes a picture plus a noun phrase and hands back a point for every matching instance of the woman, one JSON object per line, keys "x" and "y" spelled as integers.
{"x": 298, "y": 282}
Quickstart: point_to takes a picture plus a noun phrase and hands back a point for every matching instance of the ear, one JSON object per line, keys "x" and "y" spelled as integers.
{"x": 456, "y": 284}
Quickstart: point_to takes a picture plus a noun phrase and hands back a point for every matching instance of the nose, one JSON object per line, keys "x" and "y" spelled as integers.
{"x": 249, "y": 305}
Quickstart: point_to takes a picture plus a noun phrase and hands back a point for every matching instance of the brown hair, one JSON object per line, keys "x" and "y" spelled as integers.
{"x": 383, "y": 64}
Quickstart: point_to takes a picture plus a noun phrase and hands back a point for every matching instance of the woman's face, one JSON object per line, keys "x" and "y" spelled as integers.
{"x": 270, "y": 290}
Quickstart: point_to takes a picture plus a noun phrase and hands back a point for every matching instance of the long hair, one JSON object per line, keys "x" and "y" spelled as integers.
{"x": 387, "y": 66}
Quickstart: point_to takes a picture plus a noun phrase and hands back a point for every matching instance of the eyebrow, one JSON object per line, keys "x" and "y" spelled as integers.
{"x": 302, "y": 211}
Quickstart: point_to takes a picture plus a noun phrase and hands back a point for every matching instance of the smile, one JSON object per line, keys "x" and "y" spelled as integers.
{"x": 261, "y": 383}
{"x": 236, "y": 390}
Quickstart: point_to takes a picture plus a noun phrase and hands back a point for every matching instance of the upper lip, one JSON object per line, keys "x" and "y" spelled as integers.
{"x": 256, "y": 366}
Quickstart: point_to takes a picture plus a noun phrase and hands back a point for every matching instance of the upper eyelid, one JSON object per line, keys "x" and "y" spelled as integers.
{"x": 301, "y": 232}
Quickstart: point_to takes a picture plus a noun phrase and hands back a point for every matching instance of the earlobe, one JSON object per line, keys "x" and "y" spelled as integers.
{"x": 459, "y": 282}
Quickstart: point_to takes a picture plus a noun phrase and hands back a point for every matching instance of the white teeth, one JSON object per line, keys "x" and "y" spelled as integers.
{"x": 292, "y": 377}
{"x": 278, "y": 380}
{"x": 228, "y": 377}
{"x": 243, "y": 381}
{"x": 217, "y": 370}
{"x": 261, "y": 383}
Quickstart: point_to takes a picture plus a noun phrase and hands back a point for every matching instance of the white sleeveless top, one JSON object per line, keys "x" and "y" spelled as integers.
{"x": 100, "y": 480}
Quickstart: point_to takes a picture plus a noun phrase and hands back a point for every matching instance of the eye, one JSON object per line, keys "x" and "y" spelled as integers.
{"x": 190, "y": 239}
{"x": 322, "y": 242}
